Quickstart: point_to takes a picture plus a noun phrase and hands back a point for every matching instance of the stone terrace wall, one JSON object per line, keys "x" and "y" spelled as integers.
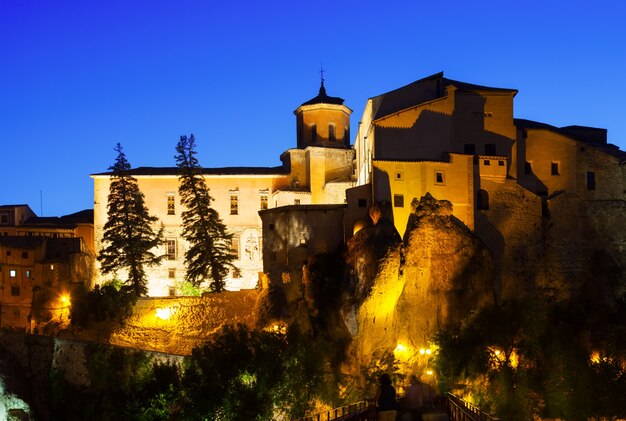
{"x": 191, "y": 320}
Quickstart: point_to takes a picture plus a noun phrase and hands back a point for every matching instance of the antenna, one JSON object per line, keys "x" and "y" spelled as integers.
{"x": 322, "y": 74}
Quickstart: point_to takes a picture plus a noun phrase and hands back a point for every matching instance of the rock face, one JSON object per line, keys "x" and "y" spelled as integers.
{"x": 405, "y": 291}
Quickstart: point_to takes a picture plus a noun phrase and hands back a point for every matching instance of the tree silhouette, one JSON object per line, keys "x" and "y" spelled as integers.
{"x": 128, "y": 235}
{"x": 209, "y": 255}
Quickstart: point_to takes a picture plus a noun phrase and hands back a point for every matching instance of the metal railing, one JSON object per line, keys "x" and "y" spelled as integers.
{"x": 344, "y": 413}
{"x": 460, "y": 410}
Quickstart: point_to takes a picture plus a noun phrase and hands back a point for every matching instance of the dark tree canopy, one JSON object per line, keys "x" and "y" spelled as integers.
{"x": 210, "y": 254}
{"x": 129, "y": 235}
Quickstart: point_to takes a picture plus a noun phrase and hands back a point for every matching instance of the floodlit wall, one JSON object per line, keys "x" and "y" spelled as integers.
{"x": 398, "y": 183}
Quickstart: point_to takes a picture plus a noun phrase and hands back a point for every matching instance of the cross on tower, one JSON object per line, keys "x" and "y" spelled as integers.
{"x": 322, "y": 74}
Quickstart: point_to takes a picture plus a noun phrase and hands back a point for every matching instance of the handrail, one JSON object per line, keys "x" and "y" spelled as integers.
{"x": 340, "y": 413}
{"x": 460, "y": 410}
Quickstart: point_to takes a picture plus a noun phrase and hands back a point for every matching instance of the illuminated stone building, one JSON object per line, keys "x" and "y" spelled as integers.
{"x": 317, "y": 171}
{"x": 41, "y": 260}
{"x": 460, "y": 142}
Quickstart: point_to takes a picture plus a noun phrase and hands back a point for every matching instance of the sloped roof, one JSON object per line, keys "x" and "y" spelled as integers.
{"x": 66, "y": 221}
{"x": 322, "y": 98}
{"x": 280, "y": 170}
{"x": 427, "y": 89}
{"x": 21, "y": 242}
{"x": 592, "y": 136}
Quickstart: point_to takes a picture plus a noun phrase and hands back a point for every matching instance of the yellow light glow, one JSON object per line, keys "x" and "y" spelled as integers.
{"x": 497, "y": 352}
{"x": 422, "y": 351}
{"x": 400, "y": 348}
{"x": 164, "y": 313}
{"x": 595, "y": 357}
{"x": 428, "y": 352}
{"x": 65, "y": 299}
{"x": 429, "y": 372}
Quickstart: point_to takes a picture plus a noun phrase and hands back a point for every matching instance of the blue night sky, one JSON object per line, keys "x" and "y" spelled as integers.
{"x": 79, "y": 76}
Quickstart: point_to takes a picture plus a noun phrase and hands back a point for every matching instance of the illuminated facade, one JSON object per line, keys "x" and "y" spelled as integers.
{"x": 461, "y": 143}
{"x": 317, "y": 171}
{"x": 41, "y": 260}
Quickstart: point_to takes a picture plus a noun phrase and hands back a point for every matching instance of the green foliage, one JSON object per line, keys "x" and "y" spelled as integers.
{"x": 385, "y": 364}
{"x": 109, "y": 302}
{"x": 125, "y": 384}
{"x": 209, "y": 254}
{"x": 187, "y": 289}
{"x": 128, "y": 236}
{"x": 243, "y": 374}
{"x": 555, "y": 377}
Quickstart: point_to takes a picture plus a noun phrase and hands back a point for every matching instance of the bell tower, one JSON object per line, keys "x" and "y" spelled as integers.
{"x": 323, "y": 121}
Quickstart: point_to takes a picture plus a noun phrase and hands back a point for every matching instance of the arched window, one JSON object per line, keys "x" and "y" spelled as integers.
{"x": 331, "y": 133}
{"x": 482, "y": 200}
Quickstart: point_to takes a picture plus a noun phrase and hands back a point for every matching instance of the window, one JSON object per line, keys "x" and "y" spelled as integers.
{"x": 4, "y": 219}
{"x": 331, "y": 133}
{"x": 24, "y": 255}
{"x": 399, "y": 176}
{"x": 486, "y": 162}
{"x": 28, "y": 273}
{"x": 263, "y": 199}
{"x": 171, "y": 291}
{"x": 313, "y": 133}
{"x": 398, "y": 201}
{"x": 271, "y": 227}
{"x": 234, "y": 246}
{"x": 12, "y": 273}
{"x": 438, "y": 177}
{"x": 500, "y": 163}
{"x": 15, "y": 291}
{"x": 554, "y": 168}
{"x": 171, "y": 204}
{"x": 8, "y": 252}
{"x": 171, "y": 249}
{"x": 528, "y": 168}
{"x": 362, "y": 203}
{"x": 591, "y": 180}
{"x": 482, "y": 200}
{"x": 296, "y": 201}
{"x": 469, "y": 149}
{"x": 171, "y": 273}
{"x": 234, "y": 204}
{"x": 490, "y": 149}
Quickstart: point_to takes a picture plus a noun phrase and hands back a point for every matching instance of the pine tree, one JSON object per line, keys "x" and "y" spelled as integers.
{"x": 128, "y": 235}
{"x": 209, "y": 255}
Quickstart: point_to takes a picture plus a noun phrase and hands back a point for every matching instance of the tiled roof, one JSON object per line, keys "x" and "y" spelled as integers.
{"x": 322, "y": 98}
{"x": 592, "y": 136}
{"x": 21, "y": 242}
{"x": 280, "y": 170}
{"x": 423, "y": 90}
{"x": 67, "y": 221}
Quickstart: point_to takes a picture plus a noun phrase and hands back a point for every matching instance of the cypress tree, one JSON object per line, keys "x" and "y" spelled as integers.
{"x": 128, "y": 236}
{"x": 209, "y": 254}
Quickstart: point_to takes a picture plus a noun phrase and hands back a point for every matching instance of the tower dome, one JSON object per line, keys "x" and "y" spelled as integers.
{"x": 323, "y": 121}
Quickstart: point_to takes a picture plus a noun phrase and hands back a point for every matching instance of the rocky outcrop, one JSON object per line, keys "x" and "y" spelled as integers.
{"x": 405, "y": 291}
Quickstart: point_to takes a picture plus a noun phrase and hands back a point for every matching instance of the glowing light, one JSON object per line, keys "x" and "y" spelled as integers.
{"x": 164, "y": 313}
{"x": 422, "y": 351}
{"x": 595, "y": 357}
{"x": 428, "y": 352}
{"x": 497, "y": 352}
{"x": 429, "y": 372}
{"x": 400, "y": 348}
{"x": 65, "y": 299}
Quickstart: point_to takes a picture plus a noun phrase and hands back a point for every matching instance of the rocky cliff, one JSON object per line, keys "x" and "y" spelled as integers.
{"x": 405, "y": 290}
